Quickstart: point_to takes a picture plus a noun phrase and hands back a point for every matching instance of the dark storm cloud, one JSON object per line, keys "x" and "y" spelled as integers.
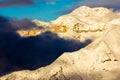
{"x": 31, "y": 52}
{"x": 23, "y": 24}
{"x": 7, "y": 3}
{"x": 4, "y": 23}
{"x": 41, "y": 50}
{"x": 15, "y": 24}
{"x": 7, "y": 38}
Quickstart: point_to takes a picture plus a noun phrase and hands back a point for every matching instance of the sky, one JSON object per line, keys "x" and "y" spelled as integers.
{"x": 47, "y": 10}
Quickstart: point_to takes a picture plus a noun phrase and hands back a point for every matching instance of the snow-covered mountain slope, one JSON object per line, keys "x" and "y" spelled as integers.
{"x": 85, "y": 22}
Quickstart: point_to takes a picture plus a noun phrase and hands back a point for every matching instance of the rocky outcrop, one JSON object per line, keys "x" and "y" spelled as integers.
{"x": 100, "y": 60}
{"x": 41, "y": 27}
{"x": 30, "y": 32}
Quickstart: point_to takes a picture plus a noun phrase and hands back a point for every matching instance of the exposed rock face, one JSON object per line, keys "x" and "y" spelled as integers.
{"x": 41, "y": 27}
{"x": 100, "y": 60}
{"x": 30, "y": 32}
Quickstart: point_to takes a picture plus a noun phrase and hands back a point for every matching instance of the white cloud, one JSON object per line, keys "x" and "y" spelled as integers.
{"x": 102, "y": 3}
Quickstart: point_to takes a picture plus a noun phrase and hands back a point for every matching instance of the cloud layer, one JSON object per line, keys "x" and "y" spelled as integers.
{"x": 14, "y": 24}
{"x": 105, "y": 3}
{"x": 7, "y": 3}
{"x": 31, "y": 52}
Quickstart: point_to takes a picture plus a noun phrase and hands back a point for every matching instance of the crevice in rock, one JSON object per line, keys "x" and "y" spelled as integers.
{"x": 106, "y": 60}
